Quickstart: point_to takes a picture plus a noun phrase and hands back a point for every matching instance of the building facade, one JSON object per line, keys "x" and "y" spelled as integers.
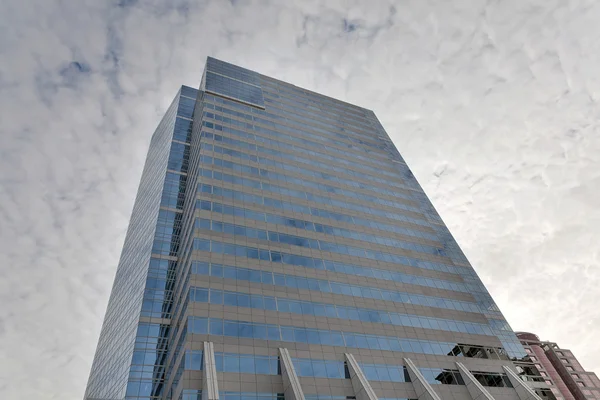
{"x": 558, "y": 368}
{"x": 280, "y": 248}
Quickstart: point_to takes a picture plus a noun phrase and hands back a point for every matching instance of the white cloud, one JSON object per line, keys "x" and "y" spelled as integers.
{"x": 493, "y": 104}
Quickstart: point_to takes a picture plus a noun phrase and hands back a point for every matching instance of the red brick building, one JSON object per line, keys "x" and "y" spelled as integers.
{"x": 559, "y": 368}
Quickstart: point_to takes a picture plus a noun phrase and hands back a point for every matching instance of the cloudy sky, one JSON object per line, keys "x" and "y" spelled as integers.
{"x": 494, "y": 105}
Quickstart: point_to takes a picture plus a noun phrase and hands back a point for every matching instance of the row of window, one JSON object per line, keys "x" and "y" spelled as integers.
{"x": 290, "y": 259}
{"x": 320, "y": 285}
{"x": 186, "y": 107}
{"x": 283, "y": 111}
{"x": 315, "y": 149}
{"x": 233, "y": 71}
{"x": 283, "y": 122}
{"x": 148, "y": 356}
{"x": 179, "y": 157}
{"x": 233, "y": 88}
{"x": 434, "y": 376}
{"x": 234, "y": 362}
{"x": 285, "y": 191}
{"x": 144, "y": 389}
{"x": 168, "y": 223}
{"x": 173, "y": 194}
{"x": 319, "y": 144}
{"x": 318, "y": 212}
{"x": 160, "y": 278}
{"x": 359, "y": 131}
{"x": 387, "y": 373}
{"x": 194, "y": 394}
{"x": 314, "y": 175}
{"x": 253, "y": 330}
{"x": 315, "y": 101}
{"x": 444, "y": 376}
{"x": 284, "y": 130}
{"x": 236, "y": 299}
{"x": 296, "y": 182}
{"x": 364, "y": 123}
{"x": 267, "y": 365}
{"x": 316, "y": 227}
{"x": 325, "y": 397}
{"x": 189, "y": 92}
{"x": 301, "y": 132}
{"x": 182, "y": 130}
{"x": 295, "y": 157}
{"x": 331, "y": 369}
{"x": 304, "y": 102}
{"x": 300, "y": 241}
{"x": 167, "y": 233}
{"x": 309, "y": 196}
{"x": 334, "y": 369}
{"x": 324, "y": 127}
{"x": 328, "y": 286}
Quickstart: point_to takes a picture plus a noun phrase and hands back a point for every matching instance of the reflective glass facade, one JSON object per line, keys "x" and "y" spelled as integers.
{"x": 270, "y": 217}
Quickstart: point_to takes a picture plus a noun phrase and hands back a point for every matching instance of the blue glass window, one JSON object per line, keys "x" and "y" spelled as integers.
{"x": 234, "y": 89}
{"x": 326, "y": 337}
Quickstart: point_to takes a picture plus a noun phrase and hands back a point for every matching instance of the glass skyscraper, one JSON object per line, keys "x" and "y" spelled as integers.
{"x": 280, "y": 248}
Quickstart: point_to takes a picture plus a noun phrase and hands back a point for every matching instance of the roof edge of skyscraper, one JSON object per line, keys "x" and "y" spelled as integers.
{"x": 312, "y": 92}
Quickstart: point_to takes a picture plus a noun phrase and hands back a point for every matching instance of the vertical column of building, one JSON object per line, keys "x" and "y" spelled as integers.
{"x": 211, "y": 170}
{"x": 292, "y": 390}
{"x": 422, "y": 386}
{"x": 524, "y": 391}
{"x": 475, "y": 388}
{"x": 360, "y": 383}
{"x": 180, "y": 292}
{"x": 210, "y": 383}
{"x": 157, "y": 307}
{"x": 134, "y": 341}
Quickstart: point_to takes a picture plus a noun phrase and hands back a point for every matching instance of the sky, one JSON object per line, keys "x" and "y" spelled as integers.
{"x": 494, "y": 105}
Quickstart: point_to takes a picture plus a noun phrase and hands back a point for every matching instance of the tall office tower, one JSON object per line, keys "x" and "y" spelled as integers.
{"x": 557, "y": 368}
{"x": 280, "y": 248}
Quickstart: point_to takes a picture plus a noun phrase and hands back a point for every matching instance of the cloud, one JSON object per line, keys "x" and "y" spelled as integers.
{"x": 494, "y": 105}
